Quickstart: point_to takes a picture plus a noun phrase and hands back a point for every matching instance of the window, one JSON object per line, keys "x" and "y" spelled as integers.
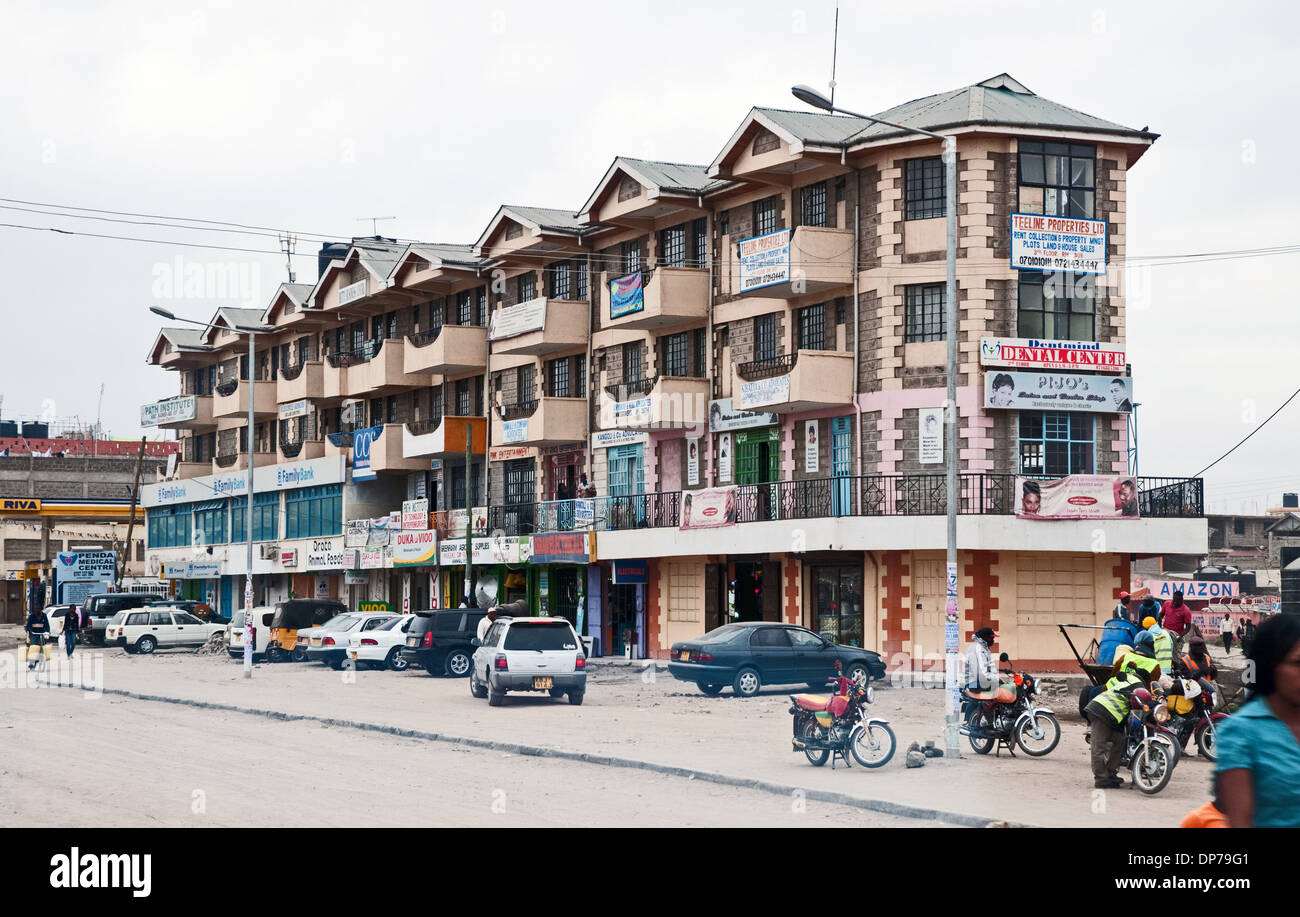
{"x": 313, "y": 512}
{"x": 814, "y": 204}
{"x": 391, "y": 409}
{"x": 209, "y": 523}
{"x": 526, "y": 384}
{"x": 769, "y": 636}
{"x": 1056, "y": 306}
{"x": 924, "y": 188}
{"x": 169, "y": 526}
{"x": 812, "y": 328}
{"x": 266, "y": 524}
{"x": 1239, "y": 526}
{"x": 558, "y": 373}
{"x": 765, "y": 337}
{"x": 699, "y": 339}
{"x": 672, "y": 246}
{"x": 580, "y": 377}
{"x": 1058, "y": 179}
{"x": 480, "y": 316}
{"x": 925, "y": 308}
{"x": 464, "y": 306}
{"x": 631, "y": 257}
{"x": 520, "y": 483}
{"x": 675, "y": 354}
{"x": 560, "y": 280}
{"x": 632, "y": 362}
{"x": 700, "y": 243}
{"x": 582, "y": 280}
{"x": 767, "y": 215}
{"x": 1056, "y": 442}
{"x": 462, "y": 398}
{"x": 435, "y": 317}
{"x": 525, "y": 287}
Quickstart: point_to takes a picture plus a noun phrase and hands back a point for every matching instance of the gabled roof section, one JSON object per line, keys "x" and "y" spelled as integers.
{"x": 377, "y": 255}
{"x": 657, "y": 177}
{"x": 299, "y": 294}
{"x": 229, "y": 318}
{"x": 537, "y": 220}
{"x": 181, "y": 339}
{"x": 1290, "y": 522}
{"x": 441, "y": 254}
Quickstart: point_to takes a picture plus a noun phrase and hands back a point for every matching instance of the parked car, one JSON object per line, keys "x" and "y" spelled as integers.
{"x": 236, "y": 630}
{"x": 528, "y": 654}
{"x": 329, "y": 644}
{"x": 749, "y": 655}
{"x": 201, "y": 610}
{"x": 100, "y": 608}
{"x": 381, "y": 647}
{"x": 146, "y": 629}
{"x": 439, "y": 641}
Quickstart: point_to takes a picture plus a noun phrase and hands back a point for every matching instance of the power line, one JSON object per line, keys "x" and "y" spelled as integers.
{"x": 1248, "y": 435}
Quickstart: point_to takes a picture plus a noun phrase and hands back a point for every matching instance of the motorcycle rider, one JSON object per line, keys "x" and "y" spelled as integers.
{"x": 1164, "y": 643}
{"x": 1106, "y": 713}
{"x": 1196, "y": 663}
{"x": 1141, "y": 659}
{"x": 981, "y": 670}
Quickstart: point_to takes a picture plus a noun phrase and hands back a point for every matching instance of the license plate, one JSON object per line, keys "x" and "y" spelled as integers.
{"x": 542, "y": 683}
{"x": 315, "y": 641}
{"x": 686, "y": 655}
{"x": 411, "y": 641}
{"x": 354, "y": 654}
{"x": 237, "y": 639}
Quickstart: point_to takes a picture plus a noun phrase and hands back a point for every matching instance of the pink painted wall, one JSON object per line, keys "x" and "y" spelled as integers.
{"x": 973, "y": 423}
{"x": 670, "y": 464}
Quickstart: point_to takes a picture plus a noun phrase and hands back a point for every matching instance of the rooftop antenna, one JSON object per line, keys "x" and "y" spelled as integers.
{"x": 835, "y": 52}
{"x": 374, "y": 223}
{"x": 288, "y": 241}
{"x": 99, "y": 411}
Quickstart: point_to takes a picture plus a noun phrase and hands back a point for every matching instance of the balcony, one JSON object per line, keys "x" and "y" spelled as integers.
{"x": 386, "y": 452}
{"x": 444, "y": 437}
{"x": 225, "y": 463}
{"x": 662, "y": 403}
{"x": 671, "y": 296}
{"x": 303, "y": 380}
{"x": 545, "y": 421}
{"x": 193, "y": 469}
{"x": 820, "y": 259}
{"x": 174, "y": 413}
{"x": 450, "y": 350}
{"x": 804, "y": 381}
{"x": 231, "y": 399}
{"x": 302, "y": 450}
{"x": 539, "y": 327}
{"x": 378, "y": 368}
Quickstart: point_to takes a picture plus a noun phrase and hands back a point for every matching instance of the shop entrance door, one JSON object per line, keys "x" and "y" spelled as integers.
{"x": 626, "y": 481}
{"x": 620, "y": 618}
{"x": 756, "y": 465}
{"x": 838, "y": 591}
{"x": 929, "y": 595}
{"x": 562, "y": 593}
{"x": 756, "y": 592}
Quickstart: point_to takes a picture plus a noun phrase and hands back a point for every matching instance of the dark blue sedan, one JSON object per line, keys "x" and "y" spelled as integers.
{"x": 749, "y": 655}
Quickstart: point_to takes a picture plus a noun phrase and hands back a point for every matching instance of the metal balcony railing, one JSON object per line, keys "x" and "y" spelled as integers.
{"x": 623, "y": 391}
{"x": 424, "y": 338}
{"x": 767, "y": 369}
{"x": 227, "y": 387}
{"x": 425, "y": 427}
{"x": 225, "y": 461}
{"x": 519, "y": 409}
{"x": 363, "y": 354}
{"x": 292, "y": 371}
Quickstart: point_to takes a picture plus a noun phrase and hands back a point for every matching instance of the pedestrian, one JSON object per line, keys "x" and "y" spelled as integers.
{"x": 1148, "y": 608}
{"x": 71, "y": 625}
{"x": 1257, "y": 775}
{"x": 1121, "y": 610}
{"x": 1176, "y": 619}
{"x": 1246, "y": 634}
{"x": 38, "y": 630}
{"x": 1225, "y": 631}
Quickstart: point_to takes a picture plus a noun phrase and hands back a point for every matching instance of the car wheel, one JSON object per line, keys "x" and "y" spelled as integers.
{"x": 747, "y": 683}
{"x": 557, "y": 692}
{"x": 858, "y": 672}
{"x": 129, "y": 649}
{"x": 575, "y": 698}
{"x": 475, "y": 687}
{"x": 711, "y": 690}
{"x": 338, "y": 664}
{"x": 146, "y": 644}
{"x": 272, "y": 653}
{"x": 298, "y": 655}
{"x": 457, "y": 664}
{"x": 495, "y": 698}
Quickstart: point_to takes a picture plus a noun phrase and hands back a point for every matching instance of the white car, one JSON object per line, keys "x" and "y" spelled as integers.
{"x": 143, "y": 630}
{"x": 235, "y": 631}
{"x": 528, "y": 654}
{"x": 328, "y": 644}
{"x": 382, "y": 645}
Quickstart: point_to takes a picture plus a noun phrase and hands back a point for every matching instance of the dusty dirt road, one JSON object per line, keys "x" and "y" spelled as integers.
{"x": 647, "y": 716}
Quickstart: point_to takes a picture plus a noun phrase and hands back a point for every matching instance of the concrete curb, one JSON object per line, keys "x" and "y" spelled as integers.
{"x": 843, "y": 799}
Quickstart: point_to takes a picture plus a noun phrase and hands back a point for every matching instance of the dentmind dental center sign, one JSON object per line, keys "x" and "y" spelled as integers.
{"x": 1043, "y": 243}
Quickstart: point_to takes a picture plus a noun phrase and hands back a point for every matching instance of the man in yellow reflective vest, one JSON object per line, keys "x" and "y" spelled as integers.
{"x": 1141, "y": 659}
{"x": 1107, "y": 712}
{"x": 1164, "y": 644}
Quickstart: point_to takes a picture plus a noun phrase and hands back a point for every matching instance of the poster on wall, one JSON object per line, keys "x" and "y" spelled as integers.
{"x": 415, "y": 515}
{"x": 626, "y": 295}
{"x": 1047, "y": 243}
{"x": 1059, "y": 392}
{"x": 724, "y": 458}
{"x": 518, "y": 319}
{"x": 709, "y": 508}
{"x": 762, "y": 392}
{"x": 811, "y": 447}
{"x": 764, "y": 260}
{"x": 1078, "y": 496}
{"x": 692, "y": 461}
{"x": 929, "y": 423}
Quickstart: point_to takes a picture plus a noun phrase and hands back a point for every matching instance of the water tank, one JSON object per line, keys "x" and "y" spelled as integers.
{"x": 330, "y": 251}
{"x": 1291, "y": 501}
{"x": 33, "y": 429}
{"x": 8, "y": 428}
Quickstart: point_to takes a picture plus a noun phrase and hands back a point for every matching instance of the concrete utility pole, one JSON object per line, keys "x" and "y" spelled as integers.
{"x": 952, "y": 625}
{"x": 470, "y": 595}
{"x": 130, "y": 525}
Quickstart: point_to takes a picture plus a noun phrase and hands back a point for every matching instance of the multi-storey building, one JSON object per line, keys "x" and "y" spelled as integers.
{"x": 771, "y": 323}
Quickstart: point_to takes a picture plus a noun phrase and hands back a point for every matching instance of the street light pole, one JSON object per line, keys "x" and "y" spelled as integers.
{"x": 951, "y": 630}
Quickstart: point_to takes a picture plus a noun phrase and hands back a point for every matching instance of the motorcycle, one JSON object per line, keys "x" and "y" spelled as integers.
{"x": 1192, "y": 717}
{"x": 1149, "y": 750}
{"x": 1010, "y": 718}
{"x": 838, "y": 726}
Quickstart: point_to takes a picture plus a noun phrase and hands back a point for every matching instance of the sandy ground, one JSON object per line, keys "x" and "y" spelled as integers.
{"x": 647, "y": 716}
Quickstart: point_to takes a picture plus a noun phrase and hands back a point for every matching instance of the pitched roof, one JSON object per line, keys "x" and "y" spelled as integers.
{"x": 378, "y": 256}
{"x": 184, "y": 338}
{"x": 545, "y": 218}
{"x": 670, "y": 177}
{"x": 446, "y": 253}
{"x": 1288, "y": 522}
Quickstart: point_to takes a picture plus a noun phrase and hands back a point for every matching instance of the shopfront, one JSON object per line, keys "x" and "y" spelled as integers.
{"x": 558, "y": 564}
{"x": 624, "y": 621}
{"x": 501, "y": 570}
{"x": 834, "y": 586}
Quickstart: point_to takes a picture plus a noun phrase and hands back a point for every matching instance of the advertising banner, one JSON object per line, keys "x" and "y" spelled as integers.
{"x": 362, "y": 441}
{"x": 370, "y": 558}
{"x": 603, "y": 439}
{"x": 631, "y": 571}
{"x": 188, "y": 569}
{"x": 584, "y": 513}
{"x": 1078, "y": 496}
{"x": 355, "y": 578}
{"x": 83, "y": 573}
{"x": 300, "y": 408}
{"x": 626, "y": 295}
{"x": 185, "y": 407}
{"x": 708, "y": 508}
{"x": 1043, "y": 243}
{"x": 692, "y": 461}
{"x": 325, "y": 554}
{"x": 722, "y": 416}
{"x": 764, "y": 260}
{"x": 498, "y": 550}
{"x": 514, "y": 431}
{"x": 811, "y": 447}
{"x": 1058, "y": 392}
{"x": 510, "y": 453}
{"x": 413, "y": 549}
{"x": 456, "y": 518}
{"x": 631, "y": 413}
{"x": 519, "y": 319}
{"x": 1193, "y": 590}
{"x": 560, "y": 548}
{"x": 762, "y": 392}
{"x": 354, "y": 291}
{"x": 379, "y": 531}
{"x": 415, "y": 515}
{"x": 1028, "y": 353}
{"x": 930, "y": 435}
{"x": 356, "y": 532}
{"x": 724, "y": 458}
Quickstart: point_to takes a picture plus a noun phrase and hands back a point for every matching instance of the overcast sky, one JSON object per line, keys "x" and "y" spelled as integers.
{"x": 309, "y": 116}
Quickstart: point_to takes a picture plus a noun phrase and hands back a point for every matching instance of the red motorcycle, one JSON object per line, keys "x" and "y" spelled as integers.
{"x": 1192, "y": 716}
{"x": 837, "y": 726}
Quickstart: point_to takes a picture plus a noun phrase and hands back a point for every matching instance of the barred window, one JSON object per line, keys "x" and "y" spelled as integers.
{"x": 925, "y": 188}
{"x": 814, "y": 204}
{"x": 1058, "y": 179}
{"x": 435, "y": 316}
{"x": 462, "y": 398}
{"x": 812, "y": 327}
{"x": 925, "y": 309}
{"x": 560, "y": 280}
{"x": 631, "y": 257}
{"x": 767, "y": 215}
{"x": 580, "y": 377}
{"x": 700, "y": 243}
{"x": 699, "y": 335}
{"x": 672, "y": 246}
{"x": 480, "y": 317}
{"x": 558, "y": 370}
{"x": 582, "y": 280}
{"x": 526, "y": 287}
{"x": 526, "y": 385}
{"x": 464, "y": 304}
{"x": 632, "y": 362}
{"x": 675, "y": 354}
{"x": 1056, "y": 306}
{"x": 765, "y": 337}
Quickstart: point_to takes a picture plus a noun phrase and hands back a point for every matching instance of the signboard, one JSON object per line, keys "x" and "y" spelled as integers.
{"x": 560, "y": 548}
{"x": 764, "y": 261}
{"x": 412, "y": 549}
{"x": 626, "y": 295}
{"x": 415, "y": 515}
{"x": 708, "y": 508}
{"x": 519, "y": 319}
{"x": 692, "y": 461}
{"x": 762, "y": 392}
{"x": 584, "y": 513}
{"x": 370, "y": 558}
{"x": 929, "y": 422}
{"x": 20, "y": 505}
{"x": 811, "y": 447}
{"x": 356, "y": 532}
{"x": 511, "y": 453}
{"x": 456, "y": 519}
{"x": 378, "y": 531}
{"x": 362, "y": 442}
{"x": 355, "y": 578}
{"x": 373, "y": 605}
{"x": 325, "y": 554}
{"x": 1030, "y": 353}
{"x": 1059, "y": 392}
{"x": 186, "y": 569}
{"x": 77, "y": 575}
{"x": 631, "y": 413}
{"x": 724, "y": 458}
{"x": 497, "y": 550}
{"x": 630, "y": 571}
{"x": 170, "y": 410}
{"x": 300, "y": 408}
{"x": 289, "y": 558}
{"x": 266, "y": 478}
{"x": 1193, "y": 590}
{"x": 1078, "y": 496}
{"x": 514, "y": 431}
{"x": 354, "y": 291}
{"x": 603, "y": 439}
{"x": 1043, "y": 243}
{"x": 722, "y": 416}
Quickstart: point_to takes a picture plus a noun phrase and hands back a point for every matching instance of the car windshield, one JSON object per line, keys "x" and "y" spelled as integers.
{"x": 237, "y": 619}
{"x": 547, "y": 635}
{"x": 389, "y": 625}
{"x": 724, "y": 634}
{"x": 339, "y": 622}
{"x": 118, "y": 618}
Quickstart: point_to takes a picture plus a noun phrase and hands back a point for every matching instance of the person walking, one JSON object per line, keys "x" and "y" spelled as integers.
{"x": 1176, "y": 619}
{"x": 71, "y": 625}
{"x": 1257, "y": 775}
{"x": 1225, "y": 631}
{"x": 38, "y": 631}
{"x": 1246, "y": 634}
